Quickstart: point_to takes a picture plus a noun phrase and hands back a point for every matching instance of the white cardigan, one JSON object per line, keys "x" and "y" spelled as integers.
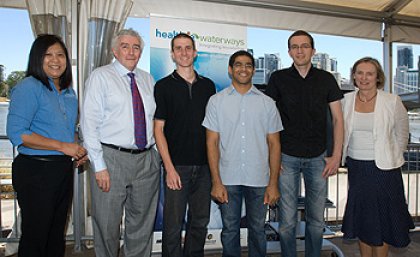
{"x": 390, "y": 129}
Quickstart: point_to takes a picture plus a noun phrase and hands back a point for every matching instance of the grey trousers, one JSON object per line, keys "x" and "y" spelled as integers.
{"x": 135, "y": 180}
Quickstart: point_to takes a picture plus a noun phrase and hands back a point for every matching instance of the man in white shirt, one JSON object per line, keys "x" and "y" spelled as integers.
{"x": 117, "y": 124}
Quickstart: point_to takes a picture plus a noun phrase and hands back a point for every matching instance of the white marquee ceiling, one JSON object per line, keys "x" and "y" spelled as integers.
{"x": 355, "y": 18}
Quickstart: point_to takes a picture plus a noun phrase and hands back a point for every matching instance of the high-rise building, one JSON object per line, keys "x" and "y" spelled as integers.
{"x": 346, "y": 85}
{"x": 337, "y": 77}
{"x": 405, "y": 56}
{"x": 400, "y": 80}
{"x": 406, "y": 80}
{"x": 259, "y": 63}
{"x": 260, "y": 77}
{"x": 264, "y": 66}
{"x": 272, "y": 62}
{"x": 412, "y": 80}
{"x": 334, "y": 65}
{"x": 322, "y": 61}
{"x": 418, "y": 73}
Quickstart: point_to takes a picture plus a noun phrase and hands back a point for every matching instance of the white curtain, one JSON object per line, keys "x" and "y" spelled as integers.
{"x": 52, "y": 17}
{"x": 99, "y": 21}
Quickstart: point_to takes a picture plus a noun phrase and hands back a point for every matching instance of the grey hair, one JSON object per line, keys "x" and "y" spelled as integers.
{"x": 127, "y": 32}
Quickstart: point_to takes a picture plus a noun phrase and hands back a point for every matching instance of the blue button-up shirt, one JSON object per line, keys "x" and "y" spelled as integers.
{"x": 243, "y": 123}
{"x": 35, "y": 109}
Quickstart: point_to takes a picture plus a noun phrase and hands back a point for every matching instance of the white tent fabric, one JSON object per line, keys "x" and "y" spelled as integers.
{"x": 51, "y": 16}
{"x": 99, "y": 21}
{"x": 355, "y": 18}
{"x": 258, "y": 17}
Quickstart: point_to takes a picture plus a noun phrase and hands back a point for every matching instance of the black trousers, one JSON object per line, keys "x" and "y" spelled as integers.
{"x": 44, "y": 191}
{"x": 196, "y": 187}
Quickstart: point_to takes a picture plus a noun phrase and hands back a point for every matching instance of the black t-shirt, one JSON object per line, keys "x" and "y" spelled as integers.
{"x": 182, "y": 107}
{"x": 303, "y": 104}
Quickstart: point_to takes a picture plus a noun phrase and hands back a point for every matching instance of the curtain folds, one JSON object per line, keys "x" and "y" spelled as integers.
{"x": 52, "y": 17}
{"x": 99, "y": 21}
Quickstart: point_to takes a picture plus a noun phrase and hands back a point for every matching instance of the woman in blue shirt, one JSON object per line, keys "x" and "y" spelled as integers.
{"x": 41, "y": 123}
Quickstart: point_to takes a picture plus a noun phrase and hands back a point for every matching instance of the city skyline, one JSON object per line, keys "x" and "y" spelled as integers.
{"x": 407, "y": 71}
{"x": 405, "y": 56}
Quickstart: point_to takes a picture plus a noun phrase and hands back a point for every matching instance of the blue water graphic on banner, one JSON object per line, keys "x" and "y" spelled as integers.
{"x": 211, "y": 65}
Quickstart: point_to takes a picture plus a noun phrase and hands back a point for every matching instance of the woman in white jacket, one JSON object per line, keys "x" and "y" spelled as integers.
{"x": 376, "y": 135}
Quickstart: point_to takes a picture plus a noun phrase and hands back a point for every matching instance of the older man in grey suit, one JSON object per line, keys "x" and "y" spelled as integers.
{"x": 117, "y": 122}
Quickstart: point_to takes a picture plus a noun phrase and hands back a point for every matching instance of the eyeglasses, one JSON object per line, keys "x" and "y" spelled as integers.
{"x": 302, "y": 46}
{"x": 238, "y": 65}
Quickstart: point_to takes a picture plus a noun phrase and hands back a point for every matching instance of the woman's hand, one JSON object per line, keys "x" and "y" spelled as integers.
{"x": 77, "y": 152}
{"x": 82, "y": 161}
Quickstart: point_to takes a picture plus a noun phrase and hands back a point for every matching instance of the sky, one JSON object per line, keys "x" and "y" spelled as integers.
{"x": 17, "y": 38}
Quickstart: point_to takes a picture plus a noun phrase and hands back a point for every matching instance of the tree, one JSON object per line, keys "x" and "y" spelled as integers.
{"x": 3, "y": 86}
{"x": 13, "y": 78}
{"x": 3, "y": 89}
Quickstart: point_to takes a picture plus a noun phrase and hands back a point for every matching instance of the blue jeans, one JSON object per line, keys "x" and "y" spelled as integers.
{"x": 255, "y": 219}
{"x": 315, "y": 195}
{"x": 196, "y": 186}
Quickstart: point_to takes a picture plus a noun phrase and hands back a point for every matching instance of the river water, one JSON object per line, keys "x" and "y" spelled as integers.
{"x": 5, "y": 146}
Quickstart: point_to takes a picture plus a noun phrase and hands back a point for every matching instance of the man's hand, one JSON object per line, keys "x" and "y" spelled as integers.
{"x": 173, "y": 181}
{"x": 331, "y": 166}
{"x": 103, "y": 181}
{"x": 271, "y": 195}
{"x": 219, "y": 193}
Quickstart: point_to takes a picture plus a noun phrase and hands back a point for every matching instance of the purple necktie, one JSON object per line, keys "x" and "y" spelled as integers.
{"x": 139, "y": 115}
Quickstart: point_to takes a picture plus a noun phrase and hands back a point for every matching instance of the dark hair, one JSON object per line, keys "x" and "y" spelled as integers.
{"x": 36, "y": 60}
{"x": 380, "y": 75}
{"x": 301, "y": 33}
{"x": 182, "y": 35}
{"x": 240, "y": 53}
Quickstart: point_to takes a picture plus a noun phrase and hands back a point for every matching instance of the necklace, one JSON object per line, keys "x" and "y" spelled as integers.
{"x": 368, "y": 99}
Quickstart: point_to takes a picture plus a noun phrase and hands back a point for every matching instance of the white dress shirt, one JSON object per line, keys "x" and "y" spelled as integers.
{"x": 107, "y": 111}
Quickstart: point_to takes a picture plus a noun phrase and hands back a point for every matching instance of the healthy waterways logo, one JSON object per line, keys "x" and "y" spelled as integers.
{"x": 203, "y": 38}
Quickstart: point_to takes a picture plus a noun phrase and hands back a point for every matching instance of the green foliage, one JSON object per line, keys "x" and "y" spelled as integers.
{"x": 13, "y": 78}
{"x": 3, "y": 89}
